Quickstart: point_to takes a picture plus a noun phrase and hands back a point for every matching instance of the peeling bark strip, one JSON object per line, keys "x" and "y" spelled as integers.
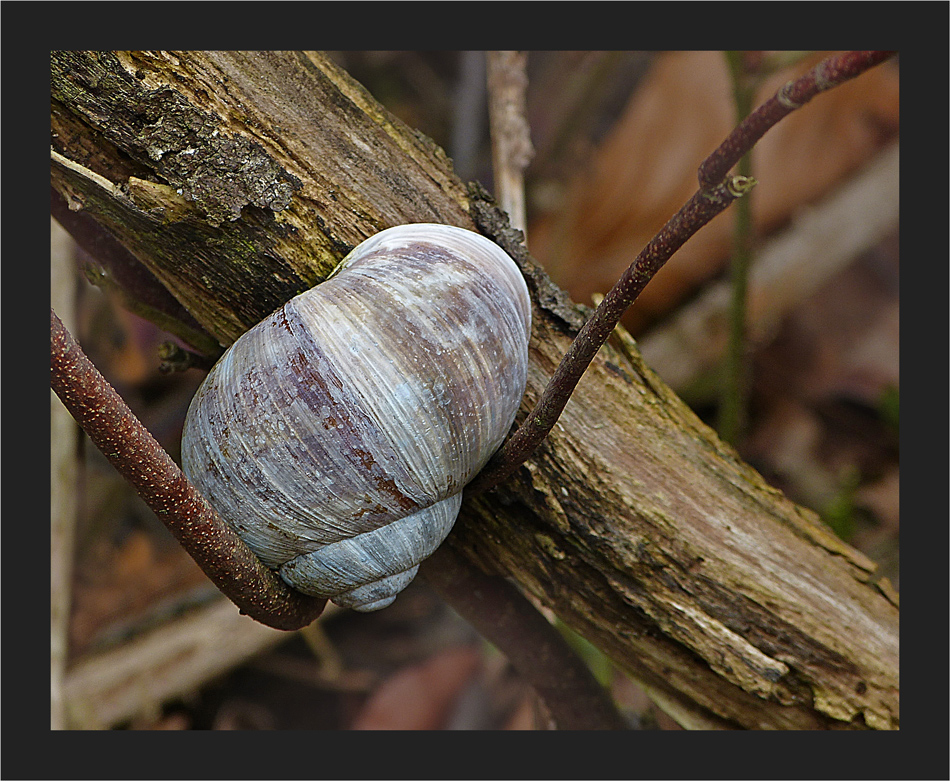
{"x": 160, "y": 129}
{"x": 282, "y": 161}
{"x": 220, "y": 553}
{"x": 115, "y": 267}
{"x": 648, "y": 536}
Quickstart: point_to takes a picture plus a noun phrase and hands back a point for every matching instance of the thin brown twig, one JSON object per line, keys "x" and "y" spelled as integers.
{"x": 699, "y": 210}
{"x": 717, "y": 191}
{"x": 132, "y": 450}
{"x": 829, "y": 73}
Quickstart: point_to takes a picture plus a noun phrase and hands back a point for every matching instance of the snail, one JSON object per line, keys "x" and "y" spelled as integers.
{"x": 337, "y": 435}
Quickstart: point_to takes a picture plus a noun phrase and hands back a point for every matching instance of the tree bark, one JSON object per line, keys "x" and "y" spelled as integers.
{"x": 238, "y": 179}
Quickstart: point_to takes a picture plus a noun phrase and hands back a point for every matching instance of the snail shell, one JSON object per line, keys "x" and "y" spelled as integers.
{"x": 336, "y": 436}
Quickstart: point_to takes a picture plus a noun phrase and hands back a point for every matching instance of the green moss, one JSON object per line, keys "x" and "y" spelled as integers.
{"x": 889, "y": 407}
{"x": 840, "y": 512}
{"x": 596, "y": 661}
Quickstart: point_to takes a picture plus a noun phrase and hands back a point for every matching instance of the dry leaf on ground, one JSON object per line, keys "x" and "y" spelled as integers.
{"x": 646, "y": 169}
{"x": 420, "y": 697}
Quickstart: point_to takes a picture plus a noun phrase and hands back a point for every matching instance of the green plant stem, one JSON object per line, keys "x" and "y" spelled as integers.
{"x": 733, "y": 399}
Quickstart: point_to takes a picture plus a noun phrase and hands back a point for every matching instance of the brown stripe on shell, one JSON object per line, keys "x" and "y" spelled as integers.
{"x": 454, "y": 342}
{"x": 307, "y": 419}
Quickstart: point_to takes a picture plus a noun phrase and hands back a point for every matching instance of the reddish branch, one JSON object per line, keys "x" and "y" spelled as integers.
{"x": 717, "y": 191}
{"x": 217, "y": 549}
{"x": 827, "y": 74}
{"x": 492, "y": 605}
{"x": 699, "y": 210}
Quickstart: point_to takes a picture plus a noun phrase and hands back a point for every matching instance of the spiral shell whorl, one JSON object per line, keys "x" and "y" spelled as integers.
{"x": 336, "y": 436}
{"x": 380, "y": 558}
